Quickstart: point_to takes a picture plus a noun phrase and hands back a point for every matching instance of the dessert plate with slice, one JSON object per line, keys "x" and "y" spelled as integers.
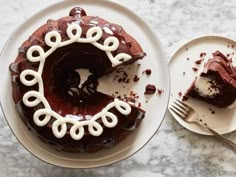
{"x": 28, "y": 92}
{"x": 213, "y": 86}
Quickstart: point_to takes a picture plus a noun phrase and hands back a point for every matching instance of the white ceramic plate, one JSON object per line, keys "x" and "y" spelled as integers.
{"x": 155, "y": 107}
{"x": 182, "y": 75}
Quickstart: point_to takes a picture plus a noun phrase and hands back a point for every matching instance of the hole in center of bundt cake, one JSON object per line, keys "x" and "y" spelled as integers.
{"x": 67, "y": 87}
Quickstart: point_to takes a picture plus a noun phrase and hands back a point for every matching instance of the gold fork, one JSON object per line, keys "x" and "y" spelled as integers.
{"x": 188, "y": 114}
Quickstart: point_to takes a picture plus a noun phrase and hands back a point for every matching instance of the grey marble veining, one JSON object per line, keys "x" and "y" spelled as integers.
{"x": 173, "y": 151}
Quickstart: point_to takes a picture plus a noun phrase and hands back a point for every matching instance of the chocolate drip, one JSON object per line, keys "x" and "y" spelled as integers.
{"x": 77, "y": 12}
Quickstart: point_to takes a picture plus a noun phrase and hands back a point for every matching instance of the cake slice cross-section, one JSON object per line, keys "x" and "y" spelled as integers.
{"x": 216, "y": 84}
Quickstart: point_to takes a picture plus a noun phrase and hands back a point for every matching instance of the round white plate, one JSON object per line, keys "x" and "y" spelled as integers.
{"x": 182, "y": 75}
{"x": 154, "y": 105}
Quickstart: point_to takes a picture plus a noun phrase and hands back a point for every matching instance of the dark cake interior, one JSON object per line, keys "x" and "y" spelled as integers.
{"x": 216, "y": 84}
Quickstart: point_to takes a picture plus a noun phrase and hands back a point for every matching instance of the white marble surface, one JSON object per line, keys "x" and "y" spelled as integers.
{"x": 173, "y": 151}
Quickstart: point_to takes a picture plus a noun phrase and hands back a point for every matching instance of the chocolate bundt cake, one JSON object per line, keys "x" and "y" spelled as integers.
{"x": 50, "y": 95}
{"x": 216, "y": 84}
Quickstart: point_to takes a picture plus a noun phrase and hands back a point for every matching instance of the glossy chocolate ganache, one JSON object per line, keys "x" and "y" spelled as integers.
{"x": 51, "y": 97}
{"x": 216, "y": 84}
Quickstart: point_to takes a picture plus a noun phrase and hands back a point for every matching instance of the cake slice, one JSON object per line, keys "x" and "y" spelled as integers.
{"x": 216, "y": 84}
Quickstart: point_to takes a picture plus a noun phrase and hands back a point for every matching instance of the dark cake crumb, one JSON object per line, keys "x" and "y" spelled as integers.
{"x": 180, "y": 94}
{"x": 198, "y": 62}
{"x": 187, "y": 59}
{"x": 150, "y": 89}
{"x": 203, "y": 54}
{"x": 212, "y": 111}
{"x": 139, "y": 105}
{"x": 184, "y": 73}
{"x": 132, "y": 97}
{"x": 160, "y": 91}
{"x": 122, "y": 77}
{"x": 195, "y": 69}
{"x": 148, "y": 71}
{"x": 230, "y": 56}
{"x": 136, "y": 78}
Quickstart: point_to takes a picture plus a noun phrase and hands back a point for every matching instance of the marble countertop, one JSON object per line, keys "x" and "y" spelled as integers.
{"x": 173, "y": 151}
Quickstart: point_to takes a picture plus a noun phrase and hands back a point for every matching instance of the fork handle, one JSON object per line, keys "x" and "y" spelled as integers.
{"x": 231, "y": 145}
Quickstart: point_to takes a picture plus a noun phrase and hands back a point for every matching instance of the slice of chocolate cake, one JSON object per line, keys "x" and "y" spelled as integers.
{"x": 216, "y": 84}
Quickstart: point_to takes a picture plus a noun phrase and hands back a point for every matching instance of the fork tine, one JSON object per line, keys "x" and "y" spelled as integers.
{"x": 177, "y": 113}
{"x": 182, "y": 111}
{"x": 181, "y": 105}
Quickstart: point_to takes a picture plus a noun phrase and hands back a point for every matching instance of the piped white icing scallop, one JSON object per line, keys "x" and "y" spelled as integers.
{"x": 32, "y": 98}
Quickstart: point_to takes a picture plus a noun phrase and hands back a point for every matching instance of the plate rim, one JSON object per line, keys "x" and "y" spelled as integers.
{"x": 186, "y": 43}
{"x": 165, "y": 61}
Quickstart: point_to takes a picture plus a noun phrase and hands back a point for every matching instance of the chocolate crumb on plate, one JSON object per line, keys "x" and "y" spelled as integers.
{"x": 180, "y": 94}
{"x": 160, "y": 91}
{"x": 136, "y": 78}
{"x": 150, "y": 89}
{"x": 195, "y": 69}
{"x": 198, "y": 62}
{"x": 139, "y": 105}
{"x": 212, "y": 111}
{"x": 148, "y": 71}
{"x": 203, "y": 54}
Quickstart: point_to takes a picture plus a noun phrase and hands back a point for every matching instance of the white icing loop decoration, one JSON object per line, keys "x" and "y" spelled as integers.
{"x": 38, "y": 117}
{"x": 122, "y": 107}
{"x": 95, "y": 128}
{"x": 74, "y": 32}
{"x": 74, "y": 129}
{"x": 31, "y": 94}
{"x": 53, "y": 39}
{"x": 59, "y": 123}
{"x": 109, "y": 119}
{"x": 111, "y": 44}
{"x": 94, "y": 34}
{"x": 35, "y": 49}
{"x": 33, "y": 98}
{"x": 36, "y": 77}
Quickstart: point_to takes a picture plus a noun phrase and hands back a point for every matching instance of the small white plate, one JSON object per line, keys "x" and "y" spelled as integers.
{"x": 182, "y": 75}
{"x": 155, "y": 107}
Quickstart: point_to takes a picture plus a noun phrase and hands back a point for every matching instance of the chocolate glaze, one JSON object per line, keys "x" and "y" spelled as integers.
{"x": 77, "y": 12}
{"x": 221, "y": 70}
{"x": 61, "y": 82}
